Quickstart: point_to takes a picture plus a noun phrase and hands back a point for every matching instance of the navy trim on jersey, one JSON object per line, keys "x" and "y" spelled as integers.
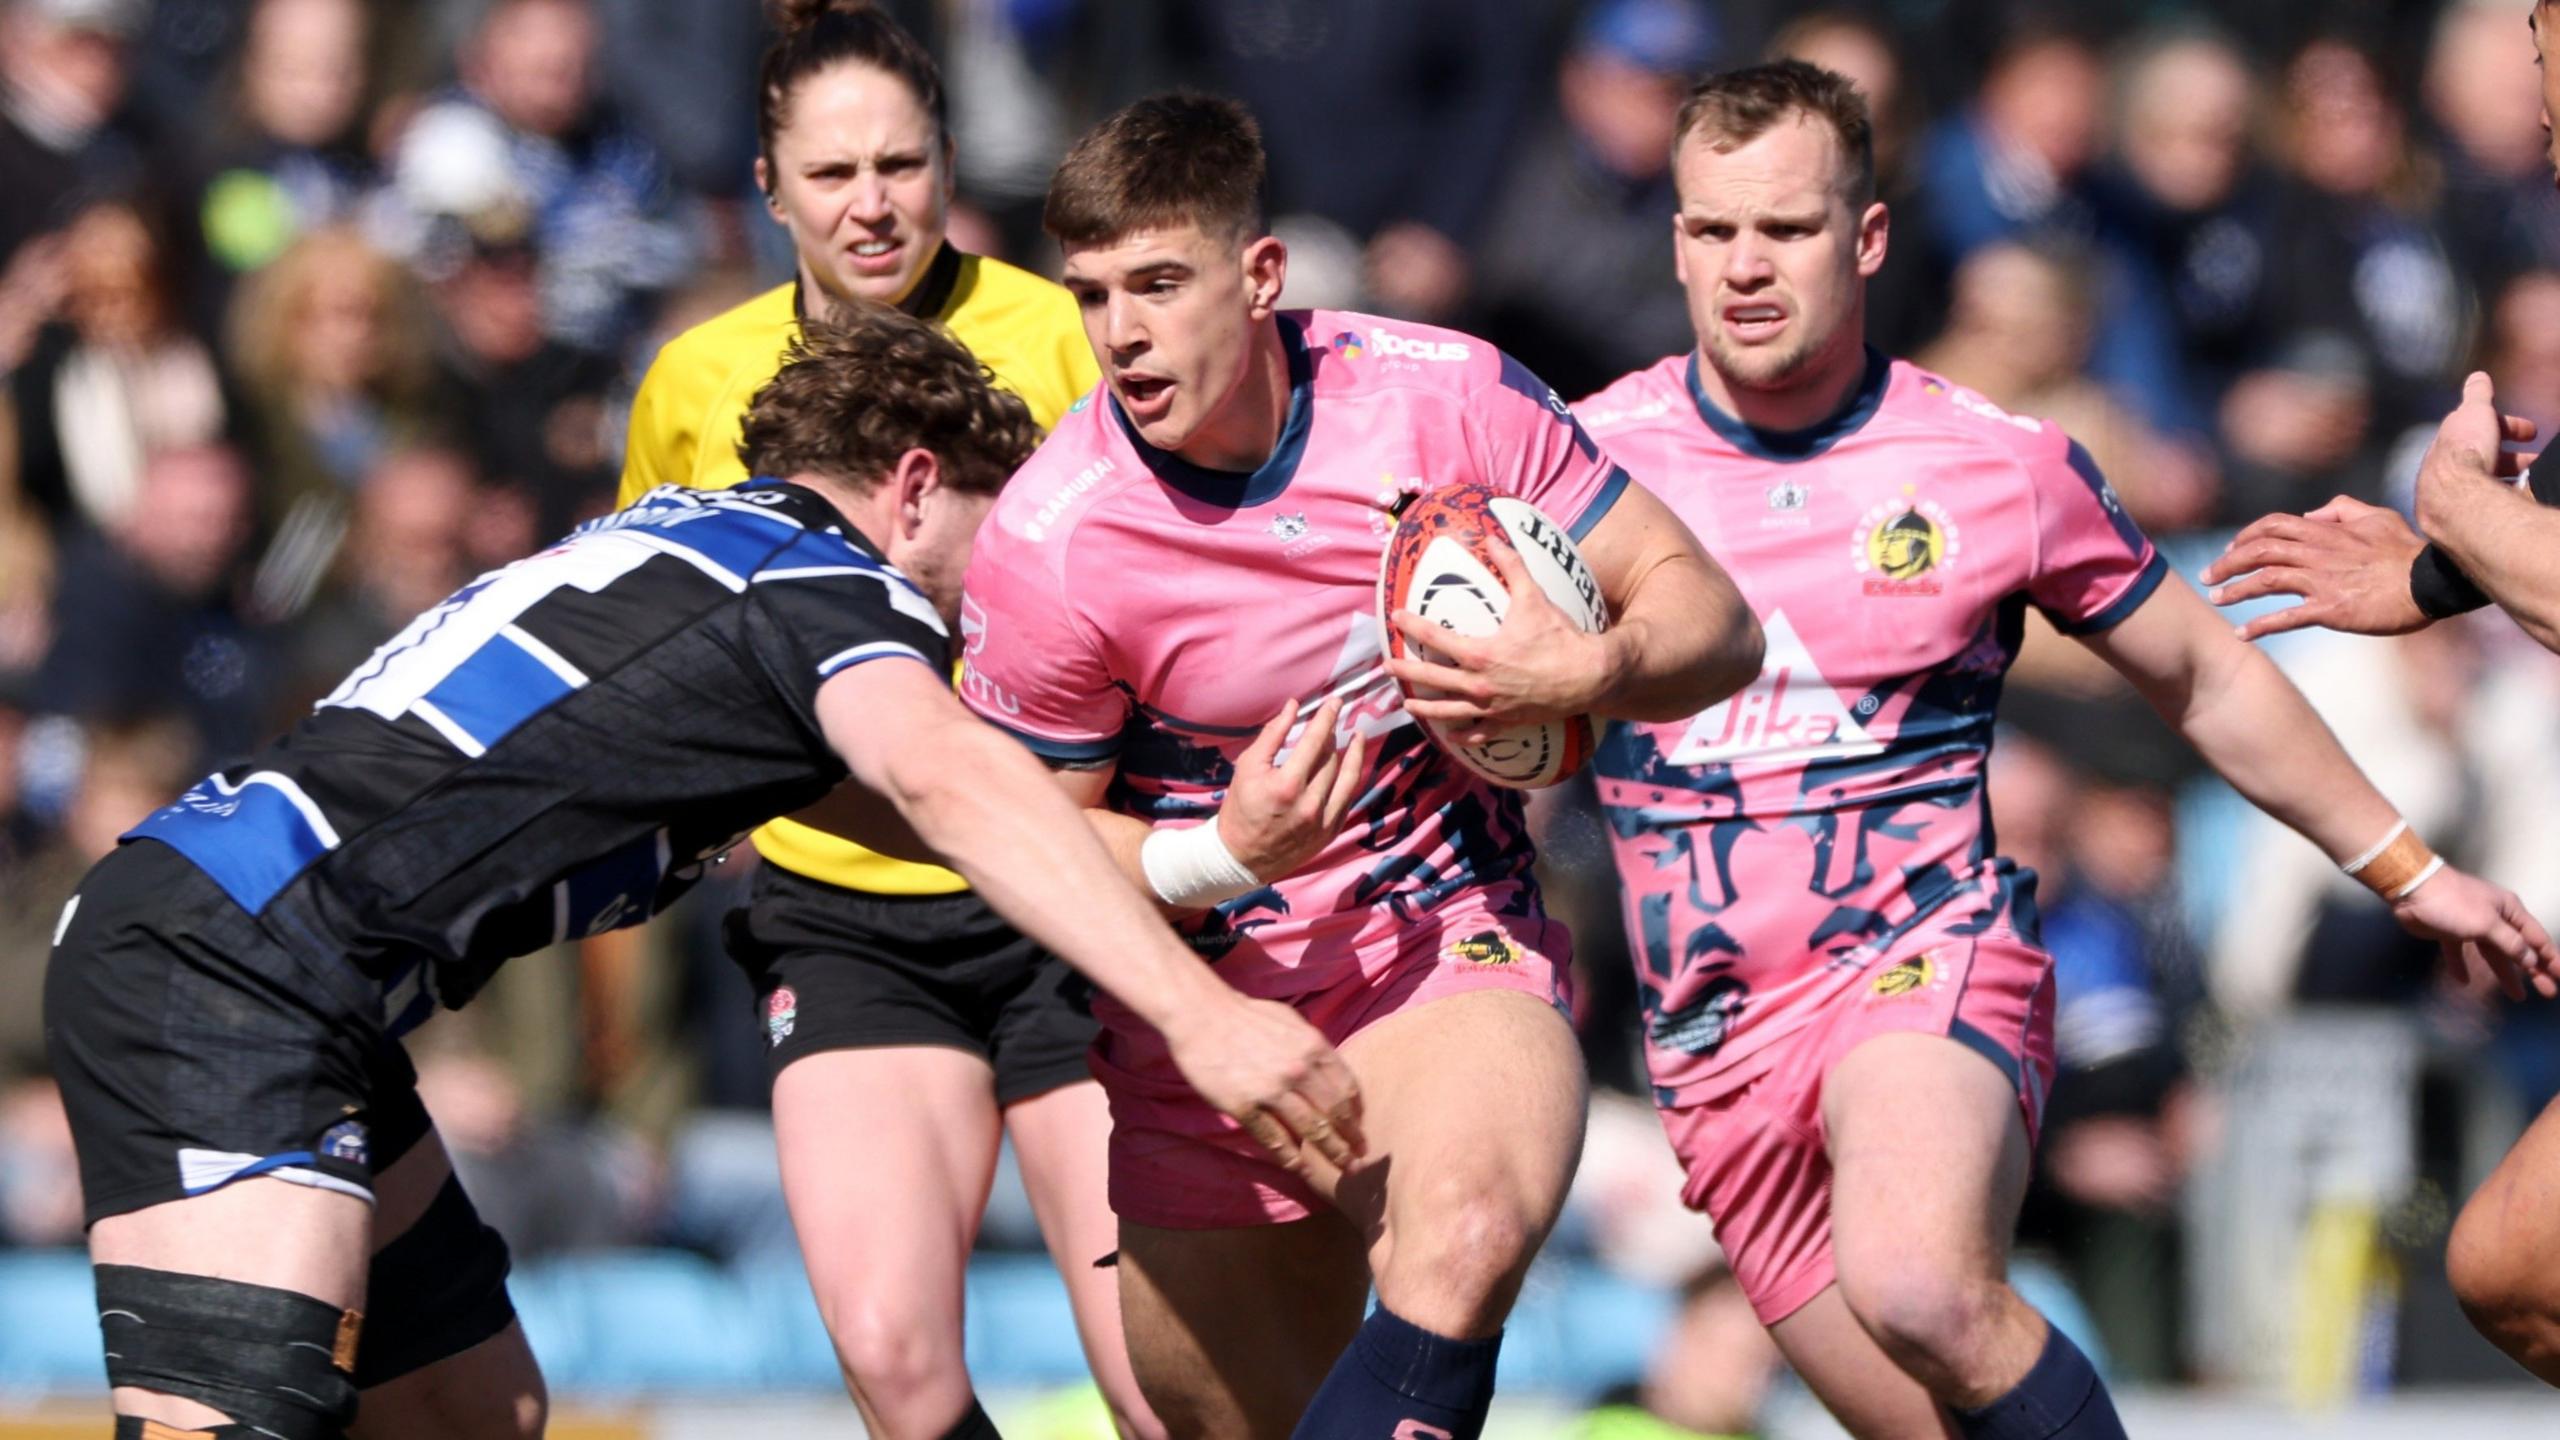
{"x": 1227, "y": 488}
{"x": 1788, "y": 446}
{"x": 2125, "y": 604}
{"x": 1971, "y": 1037}
{"x": 1610, "y": 490}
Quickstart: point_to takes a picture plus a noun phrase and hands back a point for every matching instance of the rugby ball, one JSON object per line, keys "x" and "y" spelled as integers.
{"x": 1437, "y": 566}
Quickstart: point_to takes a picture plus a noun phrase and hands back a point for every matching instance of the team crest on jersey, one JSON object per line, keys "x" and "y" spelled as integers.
{"x": 781, "y": 1015}
{"x": 1909, "y": 976}
{"x": 1905, "y": 547}
{"x": 1486, "y": 947}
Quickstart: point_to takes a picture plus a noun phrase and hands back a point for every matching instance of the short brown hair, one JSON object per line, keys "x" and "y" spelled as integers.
{"x": 864, "y": 385}
{"x": 1739, "y": 106}
{"x": 1162, "y": 161}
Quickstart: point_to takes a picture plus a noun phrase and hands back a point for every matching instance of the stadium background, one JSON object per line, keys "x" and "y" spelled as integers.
{"x": 310, "y": 309}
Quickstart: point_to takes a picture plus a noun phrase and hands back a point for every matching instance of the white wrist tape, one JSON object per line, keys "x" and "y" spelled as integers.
{"x": 1193, "y": 867}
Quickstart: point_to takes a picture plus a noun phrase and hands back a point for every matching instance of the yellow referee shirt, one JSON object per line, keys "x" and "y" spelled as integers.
{"x": 684, "y": 431}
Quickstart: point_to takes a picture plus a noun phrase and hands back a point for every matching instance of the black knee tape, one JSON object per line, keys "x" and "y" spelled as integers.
{"x": 436, "y": 1290}
{"x": 278, "y": 1363}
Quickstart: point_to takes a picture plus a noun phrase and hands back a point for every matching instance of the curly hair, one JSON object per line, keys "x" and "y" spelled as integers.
{"x": 865, "y": 384}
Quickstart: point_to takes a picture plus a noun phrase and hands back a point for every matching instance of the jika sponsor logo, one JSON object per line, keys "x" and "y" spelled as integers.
{"x": 1789, "y": 713}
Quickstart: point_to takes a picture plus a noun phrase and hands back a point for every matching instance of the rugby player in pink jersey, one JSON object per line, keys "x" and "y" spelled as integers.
{"x": 1179, "y": 592}
{"x": 1850, "y": 1018}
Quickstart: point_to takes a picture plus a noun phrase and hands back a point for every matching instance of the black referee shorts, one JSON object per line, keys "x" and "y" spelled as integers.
{"x": 839, "y": 969}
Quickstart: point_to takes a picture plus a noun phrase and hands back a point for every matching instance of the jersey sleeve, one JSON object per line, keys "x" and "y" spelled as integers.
{"x": 1027, "y": 665}
{"x": 804, "y": 632}
{"x": 658, "y": 448}
{"x": 2093, "y": 564}
{"x": 1528, "y": 444}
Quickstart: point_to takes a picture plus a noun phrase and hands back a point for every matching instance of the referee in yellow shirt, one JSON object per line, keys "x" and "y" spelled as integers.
{"x": 908, "y": 1027}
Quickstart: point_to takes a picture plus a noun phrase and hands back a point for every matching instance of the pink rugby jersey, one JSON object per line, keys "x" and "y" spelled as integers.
{"x": 1772, "y": 847}
{"x": 1125, "y": 606}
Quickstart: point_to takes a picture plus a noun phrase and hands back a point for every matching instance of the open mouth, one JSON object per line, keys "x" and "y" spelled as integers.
{"x": 1145, "y": 397}
{"x": 1754, "y": 322}
{"x": 876, "y": 256}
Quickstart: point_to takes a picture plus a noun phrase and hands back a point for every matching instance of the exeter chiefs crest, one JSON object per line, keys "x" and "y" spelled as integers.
{"x": 1904, "y": 547}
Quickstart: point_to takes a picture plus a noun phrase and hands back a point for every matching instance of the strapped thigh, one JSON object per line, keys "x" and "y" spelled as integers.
{"x": 278, "y": 1363}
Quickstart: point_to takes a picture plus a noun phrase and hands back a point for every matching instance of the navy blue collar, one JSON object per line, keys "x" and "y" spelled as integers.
{"x": 1233, "y": 489}
{"x": 1797, "y": 444}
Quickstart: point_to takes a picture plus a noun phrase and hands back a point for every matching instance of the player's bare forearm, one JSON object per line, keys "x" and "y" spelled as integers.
{"x": 1680, "y": 636}
{"x": 2246, "y": 719}
{"x": 989, "y": 809}
{"x": 2502, "y": 539}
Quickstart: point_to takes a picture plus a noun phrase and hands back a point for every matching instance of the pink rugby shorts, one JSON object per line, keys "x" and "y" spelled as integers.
{"x": 1178, "y": 1164}
{"x": 1754, "y": 1154}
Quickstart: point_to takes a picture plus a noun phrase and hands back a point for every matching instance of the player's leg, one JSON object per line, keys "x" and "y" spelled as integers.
{"x": 199, "y": 1352}
{"x": 1872, "y": 1397}
{"x": 886, "y": 1212}
{"x": 1062, "y": 1140}
{"x": 1929, "y": 1156}
{"x": 210, "y": 1079}
{"x": 1473, "y": 1106}
{"x": 1232, "y": 1330}
{"x": 443, "y": 1355}
{"x": 2504, "y": 1256}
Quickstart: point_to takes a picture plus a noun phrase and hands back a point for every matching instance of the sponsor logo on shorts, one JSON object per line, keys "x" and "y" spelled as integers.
{"x": 1905, "y": 547}
{"x": 1701, "y": 1027}
{"x": 346, "y": 1141}
{"x": 781, "y": 1015}
{"x": 1486, "y": 947}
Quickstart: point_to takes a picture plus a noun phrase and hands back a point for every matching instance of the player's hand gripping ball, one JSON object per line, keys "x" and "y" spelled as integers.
{"x": 1438, "y": 567}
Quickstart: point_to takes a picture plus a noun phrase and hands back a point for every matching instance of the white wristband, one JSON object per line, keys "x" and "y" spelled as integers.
{"x": 1193, "y": 868}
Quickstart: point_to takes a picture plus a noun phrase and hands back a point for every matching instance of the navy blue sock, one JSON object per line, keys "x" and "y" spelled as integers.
{"x": 1399, "y": 1381}
{"x": 2062, "y": 1398}
{"x": 973, "y": 1426}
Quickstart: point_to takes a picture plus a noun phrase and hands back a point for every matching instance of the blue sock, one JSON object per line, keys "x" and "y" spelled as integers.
{"x": 2062, "y": 1398}
{"x": 1399, "y": 1381}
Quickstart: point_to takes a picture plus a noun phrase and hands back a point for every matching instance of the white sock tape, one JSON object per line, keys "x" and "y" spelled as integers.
{"x": 1193, "y": 868}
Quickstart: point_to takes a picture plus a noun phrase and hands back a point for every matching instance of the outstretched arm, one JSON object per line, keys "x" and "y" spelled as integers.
{"x": 2361, "y": 569}
{"x": 989, "y": 809}
{"x": 2469, "y": 505}
{"x": 2258, "y": 732}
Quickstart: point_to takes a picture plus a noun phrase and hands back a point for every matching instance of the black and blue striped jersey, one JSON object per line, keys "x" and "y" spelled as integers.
{"x": 560, "y": 747}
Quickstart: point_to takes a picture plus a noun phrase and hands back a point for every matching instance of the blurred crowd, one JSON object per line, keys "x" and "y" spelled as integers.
{"x": 312, "y": 309}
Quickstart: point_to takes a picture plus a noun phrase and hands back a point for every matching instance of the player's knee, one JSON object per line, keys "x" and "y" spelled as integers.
{"x": 1461, "y": 1252}
{"x": 1923, "y": 1315}
{"x": 2508, "y": 1297}
{"x": 276, "y": 1362}
{"x": 893, "y": 1359}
